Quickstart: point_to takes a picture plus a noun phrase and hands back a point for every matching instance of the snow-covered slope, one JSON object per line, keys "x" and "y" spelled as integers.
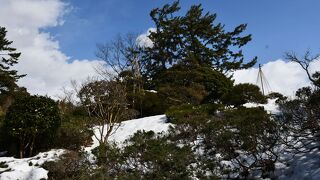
{"x": 302, "y": 166}
{"x": 27, "y": 168}
{"x": 128, "y": 128}
{"x": 305, "y": 166}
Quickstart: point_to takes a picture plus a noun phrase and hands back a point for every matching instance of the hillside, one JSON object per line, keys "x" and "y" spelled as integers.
{"x": 298, "y": 167}
{"x": 29, "y": 168}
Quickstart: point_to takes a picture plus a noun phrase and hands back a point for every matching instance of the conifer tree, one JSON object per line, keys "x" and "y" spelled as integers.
{"x": 193, "y": 39}
{"x": 192, "y": 56}
{"x": 8, "y": 58}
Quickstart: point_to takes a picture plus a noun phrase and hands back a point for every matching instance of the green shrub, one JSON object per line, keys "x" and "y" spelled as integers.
{"x": 110, "y": 159}
{"x": 151, "y": 104}
{"x": 32, "y": 120}
{"x": 163, "y": 159}
{"x": 220, "y": 134}
{"x": 8, "y": 144}
{"x": 2, "y": 115}
{"x": 250, "y": 131}
{"x": 3, "y": 165}
{"x": 244, "y": 93}
{"x": 192, "y": 84}
{"x": 73, "y": 133}
{"x": 145, "y": 155}
{"x": 72, "y": 165}
{"x": 191, "y": 114}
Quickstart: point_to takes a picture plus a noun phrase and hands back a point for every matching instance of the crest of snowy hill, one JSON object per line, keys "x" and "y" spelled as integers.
{"x": 128, "y": 128}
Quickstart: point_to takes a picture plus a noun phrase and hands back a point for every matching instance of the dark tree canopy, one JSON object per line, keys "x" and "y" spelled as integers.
{"x": 244, "y": 93}
{"x": 8, "y": 58}
{"x": 28, "y": 118}
{"x": 195, "y": 85}
{"x": 194, "y": 38}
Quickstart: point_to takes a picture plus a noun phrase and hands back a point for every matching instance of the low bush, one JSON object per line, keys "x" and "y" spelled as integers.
{"x": 150, "y": 104}
{"x": 191, "y": 114}
{"x": 220, "y": 134}
{"x": 244, "y": 93}
{"x": 73, "y": 133}
{"x": 145, "y": 155}
{"x": 72, "y": 165}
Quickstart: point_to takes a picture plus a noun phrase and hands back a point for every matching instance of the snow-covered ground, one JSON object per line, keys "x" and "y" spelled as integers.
{"x": 128, "y": 128}
{"x": 299, "y": 166}
{"x": 27, "y": 168}
{"x": 302, "y": 166}
{"x": 306, "y": 166}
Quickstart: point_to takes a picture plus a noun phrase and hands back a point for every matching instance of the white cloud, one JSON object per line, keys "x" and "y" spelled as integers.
{"x": 47, "y": 68}
{"x": 143, "y": 39}
{"x": 284, "y": 77}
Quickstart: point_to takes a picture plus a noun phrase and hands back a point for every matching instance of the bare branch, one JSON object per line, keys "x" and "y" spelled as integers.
{"x": 303, "y": 62}
{"x": 106, "y": 104}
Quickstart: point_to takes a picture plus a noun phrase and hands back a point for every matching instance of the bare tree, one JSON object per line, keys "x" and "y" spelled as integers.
{"x": 121, "y": 54}
{"x": 68, "y": 99}
{"x": 122, "y": 61}
{"x": 106, "y": 105}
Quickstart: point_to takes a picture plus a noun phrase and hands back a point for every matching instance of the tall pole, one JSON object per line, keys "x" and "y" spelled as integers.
{"x": 260, "y": 73}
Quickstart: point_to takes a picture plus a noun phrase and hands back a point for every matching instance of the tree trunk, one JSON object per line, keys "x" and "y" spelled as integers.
{"x": 31, "y": 146}
{"x": 21, "y": 149}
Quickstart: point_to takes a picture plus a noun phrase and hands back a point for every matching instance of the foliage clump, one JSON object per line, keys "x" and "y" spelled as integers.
{"x": 71, "y": 165}
{"x": 146, "y": 155}
{"x": 30, "y": 119}
{"x": 241, "y": 94}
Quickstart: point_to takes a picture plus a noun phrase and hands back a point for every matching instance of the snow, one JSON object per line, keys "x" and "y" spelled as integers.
{"x": 128, "y": 128}
{"x": 270, "y": 107}
{"x": 152, "y": 91}
{"x": 302, "y": 166}
{"x": 27, "y": 168}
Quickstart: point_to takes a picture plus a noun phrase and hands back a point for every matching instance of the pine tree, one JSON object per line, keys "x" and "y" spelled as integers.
{"x": 195, "y": 39}
{"x": 192, "y": 55}
{"x": 8, "y": 58}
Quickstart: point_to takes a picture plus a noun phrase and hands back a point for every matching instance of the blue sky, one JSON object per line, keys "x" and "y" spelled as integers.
{"x": 276, "y": 26}
{"x": 66, "y": 53}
